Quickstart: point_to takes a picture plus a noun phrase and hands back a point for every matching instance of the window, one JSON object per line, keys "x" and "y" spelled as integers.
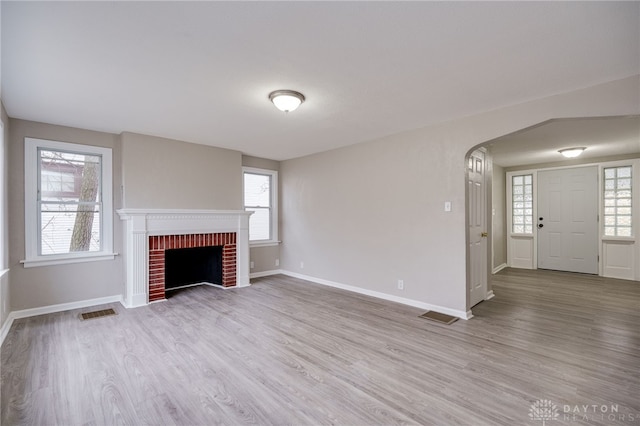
{"x": 260, "y": 197}
{"x": 617, "y": 201}
{"x": 68, "y": 207}
{"x": 522, "y": 204}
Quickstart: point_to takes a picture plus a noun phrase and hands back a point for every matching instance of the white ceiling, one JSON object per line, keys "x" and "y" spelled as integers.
{"x": 201, "y": 71}
{"x": 601, "y": 136}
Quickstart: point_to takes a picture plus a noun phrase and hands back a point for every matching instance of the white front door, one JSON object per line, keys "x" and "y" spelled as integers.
{"x": 568, "y": 220}
{"x": 477, "y": 228}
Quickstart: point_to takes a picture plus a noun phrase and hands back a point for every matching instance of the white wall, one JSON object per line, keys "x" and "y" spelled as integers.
{"x": 370, "y": 214}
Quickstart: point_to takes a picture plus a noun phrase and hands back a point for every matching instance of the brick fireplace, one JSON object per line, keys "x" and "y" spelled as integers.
{"x": 149, "y": 233}
{"x": 158, "y": 244}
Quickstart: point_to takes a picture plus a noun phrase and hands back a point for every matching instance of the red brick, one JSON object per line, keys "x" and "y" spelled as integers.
{"x": 159, "y": 243}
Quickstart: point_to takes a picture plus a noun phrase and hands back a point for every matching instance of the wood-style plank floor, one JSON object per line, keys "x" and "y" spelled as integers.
{"x": 285, "y": 351}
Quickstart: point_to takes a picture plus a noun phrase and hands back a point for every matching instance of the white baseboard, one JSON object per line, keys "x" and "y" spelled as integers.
{"x": 499, "y": 268}
{"x": 265, "y": 273}
{"x": 135, "y": 301}
{"x": 5, "y": 327}
{"x": 380, "y": 295}
{"x": 25, "y": 313}
{"x": 489, "y": 295}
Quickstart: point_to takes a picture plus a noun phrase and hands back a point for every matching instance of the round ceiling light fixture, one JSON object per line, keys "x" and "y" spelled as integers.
{"x": 286, "y": 100}
{"x": 572, "y": 152}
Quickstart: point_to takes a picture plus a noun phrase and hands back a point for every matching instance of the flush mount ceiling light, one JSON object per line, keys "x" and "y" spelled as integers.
{"x": 286, "y": 100}
{"x": 572, "y": 152}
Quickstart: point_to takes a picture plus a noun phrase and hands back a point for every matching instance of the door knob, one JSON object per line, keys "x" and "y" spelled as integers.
{"x": 541, "y": 218}
{"x": 484, "y": 235}
{"x": 540, "y": 225}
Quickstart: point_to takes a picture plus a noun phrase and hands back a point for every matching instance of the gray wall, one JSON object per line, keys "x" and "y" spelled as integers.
{"x": 498, "y": 206}
{"x": 5, "y": 294}
{"x": 261, "y": 163}
{"x": 165, "y": 173}
{"x": 264, "y": 258}
{"x": 51, "y": 285}
{"x": 370, "y": 214}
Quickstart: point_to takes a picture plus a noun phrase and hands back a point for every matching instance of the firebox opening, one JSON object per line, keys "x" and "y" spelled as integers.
{"x": 195, "y": 265}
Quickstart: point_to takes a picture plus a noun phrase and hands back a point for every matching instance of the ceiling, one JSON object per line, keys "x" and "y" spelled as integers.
{"x": 540, "y": 144}
{"x": 202, "y": 71}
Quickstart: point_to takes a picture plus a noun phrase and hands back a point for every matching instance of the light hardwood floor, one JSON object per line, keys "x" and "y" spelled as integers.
{"x": 285, "y": 351}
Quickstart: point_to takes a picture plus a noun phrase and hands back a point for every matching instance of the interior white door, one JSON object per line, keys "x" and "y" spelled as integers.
{"x": 477, "y": 228}
{"x": 568, "y": 220}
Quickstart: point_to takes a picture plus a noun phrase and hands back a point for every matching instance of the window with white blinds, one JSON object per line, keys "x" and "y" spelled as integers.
{"x": 260, "y": 197}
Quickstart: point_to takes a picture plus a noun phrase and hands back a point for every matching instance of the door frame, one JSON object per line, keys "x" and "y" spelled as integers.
{"x": 591, "y": 219}
{"x": 603, "y": 242}
{"x": 488, "y": 173}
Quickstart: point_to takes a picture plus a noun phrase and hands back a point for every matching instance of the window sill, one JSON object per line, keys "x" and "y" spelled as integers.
{"x": 618, "y": 239}
{"x": 521, "y": 235}
{"x": 66, "y": 259}
{"x": 264, "y": 244}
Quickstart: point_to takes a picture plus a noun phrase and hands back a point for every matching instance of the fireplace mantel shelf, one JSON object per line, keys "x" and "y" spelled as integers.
{"x": 126, "y": 213}
{"x": 140, "y": 224}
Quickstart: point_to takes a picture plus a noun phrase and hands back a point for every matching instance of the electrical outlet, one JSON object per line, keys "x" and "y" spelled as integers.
{"x": 400, "y": 285}
{"x": 277, "y": 262}
{"x": 301, "y": 265}
{"x": 251, "y": 265}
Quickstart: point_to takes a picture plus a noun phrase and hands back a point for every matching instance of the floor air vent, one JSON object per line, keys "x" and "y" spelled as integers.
{"x": 97, "y": 314}
{"x": 438, "y": 317}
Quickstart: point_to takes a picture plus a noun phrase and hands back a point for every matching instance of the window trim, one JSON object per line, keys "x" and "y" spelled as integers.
{"x": 509, "y": 202}
{"x": 273, "y": 174}
{"x": 635, "y": 195}
{"x": 31, "y": 170}
{"x": 511, "y": 207}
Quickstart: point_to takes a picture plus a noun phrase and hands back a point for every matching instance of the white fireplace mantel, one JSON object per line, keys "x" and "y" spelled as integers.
{"x": 142, "y": 223}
